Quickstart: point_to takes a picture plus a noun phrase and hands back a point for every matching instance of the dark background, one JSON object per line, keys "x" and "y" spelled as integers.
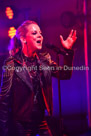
{"x": 57, "y": 17}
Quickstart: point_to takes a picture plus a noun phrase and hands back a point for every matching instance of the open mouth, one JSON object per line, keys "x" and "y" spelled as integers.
{"x": 39, "y": 41}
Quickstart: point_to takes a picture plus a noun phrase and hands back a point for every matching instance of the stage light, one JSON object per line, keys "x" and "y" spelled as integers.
{"x": 11, "y": 32}
{"x": 68, "y": 19}
{"x": 9, "y": 12}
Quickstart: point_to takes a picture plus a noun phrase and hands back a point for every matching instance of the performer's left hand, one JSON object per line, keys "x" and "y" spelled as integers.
{"x": 68, "y": 43}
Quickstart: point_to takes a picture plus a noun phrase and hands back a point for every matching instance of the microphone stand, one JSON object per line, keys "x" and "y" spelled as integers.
{"x": 58, "y": 52}
{"x": 59, "y": 93}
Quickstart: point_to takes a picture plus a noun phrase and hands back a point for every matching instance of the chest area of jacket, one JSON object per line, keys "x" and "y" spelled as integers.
{"x": 28, "y": 74}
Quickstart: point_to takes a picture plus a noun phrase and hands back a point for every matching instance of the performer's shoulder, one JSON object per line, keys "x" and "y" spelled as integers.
{"x": 9, "y": 60}
{"x": 45, "y": 55}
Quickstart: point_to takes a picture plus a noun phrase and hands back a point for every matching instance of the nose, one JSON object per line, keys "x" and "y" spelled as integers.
{"x": 40, "y": 35}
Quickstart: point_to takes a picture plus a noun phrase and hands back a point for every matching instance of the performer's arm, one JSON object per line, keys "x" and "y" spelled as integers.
{"x": 6, "y": 83}
{"x": 64, "y": 72}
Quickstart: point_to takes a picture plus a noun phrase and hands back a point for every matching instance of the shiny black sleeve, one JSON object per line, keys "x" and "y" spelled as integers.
{"x": 6, "y": 83}
{"x": 65, "y": 71}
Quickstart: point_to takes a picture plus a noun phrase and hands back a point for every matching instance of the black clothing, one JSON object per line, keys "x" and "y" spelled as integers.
{"x": 35, "y": 73}
{"x": 18, "y": 88}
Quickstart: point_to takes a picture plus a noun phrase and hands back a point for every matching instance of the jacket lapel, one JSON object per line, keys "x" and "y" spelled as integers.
{"x": 22, "y": 72}
{"x": 25, "y": 77}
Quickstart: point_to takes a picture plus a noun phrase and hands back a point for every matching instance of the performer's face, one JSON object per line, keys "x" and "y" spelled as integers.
{"x": 34, "y": 37}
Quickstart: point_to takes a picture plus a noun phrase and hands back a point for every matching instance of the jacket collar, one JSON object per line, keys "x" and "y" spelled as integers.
{"x": 24, "y": 75}
{"x": 19, "y": 57}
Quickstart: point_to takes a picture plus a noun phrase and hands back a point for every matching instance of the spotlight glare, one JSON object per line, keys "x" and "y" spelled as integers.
{"x": 9, "y": 13}
{"x": 11, "y": 32}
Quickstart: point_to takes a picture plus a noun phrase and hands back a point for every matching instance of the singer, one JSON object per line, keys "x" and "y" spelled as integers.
{"x": 25, "y": 94}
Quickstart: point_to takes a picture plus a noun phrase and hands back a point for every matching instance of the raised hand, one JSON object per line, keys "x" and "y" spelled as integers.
{"x": 68, "y": 43}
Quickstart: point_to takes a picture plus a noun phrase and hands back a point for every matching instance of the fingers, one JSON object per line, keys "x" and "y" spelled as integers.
{"x": 74, "y": 37}
{"x": 74, "y": 33}
{"x": 71, "y": 33}
{"x": 61, "y": 38}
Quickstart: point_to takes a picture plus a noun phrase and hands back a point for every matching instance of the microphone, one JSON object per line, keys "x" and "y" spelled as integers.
{"x": 55, "y": 49}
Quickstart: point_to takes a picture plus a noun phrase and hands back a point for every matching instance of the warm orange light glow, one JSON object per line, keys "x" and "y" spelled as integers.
{"x": 11, "y": 32}
{"x": 9, "y": 13}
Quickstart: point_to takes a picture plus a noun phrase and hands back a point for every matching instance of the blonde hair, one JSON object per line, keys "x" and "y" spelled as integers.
{"x": 15, "y": 43}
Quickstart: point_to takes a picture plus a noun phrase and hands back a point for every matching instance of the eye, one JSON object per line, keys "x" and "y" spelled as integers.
{"x": 34, "y": 33}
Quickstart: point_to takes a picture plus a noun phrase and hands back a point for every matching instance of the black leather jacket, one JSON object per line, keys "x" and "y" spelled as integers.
{"x": 16, "y": 100}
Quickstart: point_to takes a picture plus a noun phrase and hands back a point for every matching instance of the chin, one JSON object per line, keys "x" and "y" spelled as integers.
{"x": 39, "y": 48}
